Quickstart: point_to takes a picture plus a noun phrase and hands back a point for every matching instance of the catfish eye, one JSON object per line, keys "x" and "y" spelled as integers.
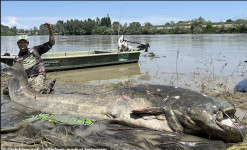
{"x": 215, "y": 109}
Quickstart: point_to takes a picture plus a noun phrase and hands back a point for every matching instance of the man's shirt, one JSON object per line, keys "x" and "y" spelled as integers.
{"x": 32, "y": 60}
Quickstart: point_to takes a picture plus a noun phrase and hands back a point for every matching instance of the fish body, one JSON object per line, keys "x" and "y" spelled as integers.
{"x": 158, "y": 107}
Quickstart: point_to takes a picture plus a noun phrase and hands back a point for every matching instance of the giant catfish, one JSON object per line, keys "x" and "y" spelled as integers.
{"x": 156, "y": 107}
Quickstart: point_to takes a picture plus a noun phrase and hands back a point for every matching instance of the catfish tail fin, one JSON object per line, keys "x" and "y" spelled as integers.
{"x": 20, "y": 68}
{"x": 16, "y": 70}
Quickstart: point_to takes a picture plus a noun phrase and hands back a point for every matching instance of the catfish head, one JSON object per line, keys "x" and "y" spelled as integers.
{"x": 195, "y": 113}
{"x": 219, "y": 121}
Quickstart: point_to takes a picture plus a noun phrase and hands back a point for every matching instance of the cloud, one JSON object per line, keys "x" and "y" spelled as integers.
{"x": 11, "y": 21}
{"x": 30, "y": 22}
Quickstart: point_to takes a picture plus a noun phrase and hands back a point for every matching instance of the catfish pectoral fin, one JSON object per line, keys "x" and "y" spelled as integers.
{"x": 148, "y": 110}
{"x": 172, "y": 121}
{"x": 187, "y": 122}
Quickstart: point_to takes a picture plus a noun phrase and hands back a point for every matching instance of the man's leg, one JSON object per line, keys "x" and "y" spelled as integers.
{"x": 51, "y": 85}
{"x": 38, "y": 84}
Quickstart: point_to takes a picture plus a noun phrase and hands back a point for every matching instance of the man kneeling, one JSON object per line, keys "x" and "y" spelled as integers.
{"x": 33, "y": 63}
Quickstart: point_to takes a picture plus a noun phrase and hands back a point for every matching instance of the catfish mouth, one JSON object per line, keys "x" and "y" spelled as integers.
{"x": 227, "y": 121}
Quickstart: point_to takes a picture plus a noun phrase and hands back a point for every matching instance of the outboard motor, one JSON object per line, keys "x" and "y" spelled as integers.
{"x": 147, "y": 46}
{"x": 143, "y": 46}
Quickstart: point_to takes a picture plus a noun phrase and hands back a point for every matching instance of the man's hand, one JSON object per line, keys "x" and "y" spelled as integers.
{"x": 48, "y": 25}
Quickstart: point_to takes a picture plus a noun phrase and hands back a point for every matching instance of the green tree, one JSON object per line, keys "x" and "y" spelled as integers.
{"x": 241, "y": 25}
{"x": 222, "y": 29}
{"x": 135, "y": 28}
{"x": 229, "y": 21}
{"x": 59, "y": 27}
{"x": 42, "y": 30}
{"x": 209, "y": 28}
{"x": 99, "y": 30}
{"x": 172, "y": 23}
{"x": 147, "y": 29}
{"x": 89, "y": 26}
{"x": 116, "y": 26}
{"x": 35, "y": 30}
{"x": 14, "y": 30}
{"x": 105, "y": 21}
{"x": 125, "y": 28}
{"x": 6, "y": 31}
{"x": 98, "y": 21}
{"x": 197, "y": 25}
{"x": 167, "y": 24}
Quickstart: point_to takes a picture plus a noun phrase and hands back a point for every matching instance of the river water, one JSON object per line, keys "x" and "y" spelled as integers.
{"x": 182, "y": 60}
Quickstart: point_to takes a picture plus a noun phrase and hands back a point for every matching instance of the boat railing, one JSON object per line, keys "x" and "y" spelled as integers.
{"x": 63, "y": 54}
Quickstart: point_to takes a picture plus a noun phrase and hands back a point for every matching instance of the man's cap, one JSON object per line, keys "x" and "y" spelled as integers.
{"x": 23, "y": 37}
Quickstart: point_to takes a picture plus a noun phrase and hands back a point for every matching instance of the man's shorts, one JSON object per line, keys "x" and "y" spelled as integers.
{"x": 38, "y": 83}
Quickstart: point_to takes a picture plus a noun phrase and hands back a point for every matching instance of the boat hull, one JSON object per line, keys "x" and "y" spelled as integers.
{"x": 82, "y": 59}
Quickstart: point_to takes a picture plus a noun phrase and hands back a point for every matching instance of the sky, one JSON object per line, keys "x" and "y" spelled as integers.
{"x": 29, "y": 14}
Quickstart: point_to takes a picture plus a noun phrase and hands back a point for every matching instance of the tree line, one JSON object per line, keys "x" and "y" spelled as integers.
{"x": 104, "y": 26}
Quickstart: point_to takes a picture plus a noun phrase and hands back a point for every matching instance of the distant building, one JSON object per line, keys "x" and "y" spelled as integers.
{"x": 20, "y": 33}
{"x": 184, "y": 22}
